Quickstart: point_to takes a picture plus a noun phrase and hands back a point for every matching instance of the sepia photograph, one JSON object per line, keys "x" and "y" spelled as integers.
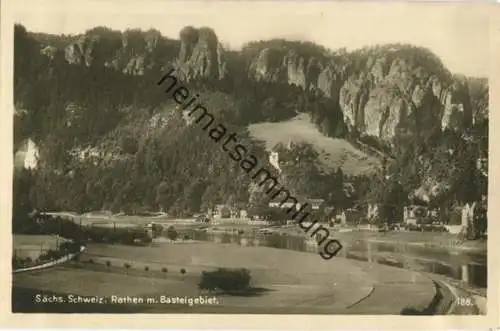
{"x": 250, "y": 158}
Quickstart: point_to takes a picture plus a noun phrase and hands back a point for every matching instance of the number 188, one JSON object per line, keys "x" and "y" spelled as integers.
{"x": 464, "y": 301}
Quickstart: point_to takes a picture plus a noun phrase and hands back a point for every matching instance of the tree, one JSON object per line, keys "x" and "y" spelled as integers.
{"x": 228, "y": 280}
{"x": 393, "y": 200}
{"x": 163, "y": 195}
{"x": 22, "y": 204}
{"x": 269, "y": 109}
{"x": 193, "y": 196}
{"x": 326, "y": 127}
{"x": 172, "y": 234}
{"x": 258, "y": 199}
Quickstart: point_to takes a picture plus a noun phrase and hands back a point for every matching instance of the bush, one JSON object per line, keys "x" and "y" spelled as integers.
{"x": 48, "y": 255}
{"x": 69, "y": 247}
{"x": 127, "y": 265}
{"x": 108, "y": 263}
{"x": 183, "y": 271}
{"x": 65, "y": 246}
{"x": 228, "y": 280}
{"x": 164, "y": 269}
{"x": 186, "y": 237}
{"x": 146, "y": 268}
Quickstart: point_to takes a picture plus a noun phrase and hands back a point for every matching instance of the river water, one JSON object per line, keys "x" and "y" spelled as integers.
{"x": 470, "y": 268}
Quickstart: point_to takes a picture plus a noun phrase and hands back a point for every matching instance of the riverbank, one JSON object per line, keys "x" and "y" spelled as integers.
{"x": 348, "y": 235}
{"x": 412, "y": 238}
{"x": 465, "y": 268}
{"x": 422, "y": 239}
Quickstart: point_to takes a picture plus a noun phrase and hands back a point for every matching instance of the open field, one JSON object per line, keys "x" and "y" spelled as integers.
{"x": 334, "y": 153}
{"x": 89, "y": 282}
{"x": 286, "y": 280}
{"x": 33, "y": 245}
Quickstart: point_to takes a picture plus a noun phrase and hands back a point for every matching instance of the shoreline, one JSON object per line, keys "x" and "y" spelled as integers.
{"x": 431, "y": 240}
{"x": 421, "y": 239}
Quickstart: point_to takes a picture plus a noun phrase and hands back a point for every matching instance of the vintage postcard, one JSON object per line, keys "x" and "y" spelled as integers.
{"x": 249, "y": 164}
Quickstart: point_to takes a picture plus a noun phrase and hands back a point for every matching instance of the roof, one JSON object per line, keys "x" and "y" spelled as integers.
{"x": 316, "y": 200}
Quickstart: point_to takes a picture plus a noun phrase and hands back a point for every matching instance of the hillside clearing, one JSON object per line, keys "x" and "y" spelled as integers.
{"x": 334, "y": 153}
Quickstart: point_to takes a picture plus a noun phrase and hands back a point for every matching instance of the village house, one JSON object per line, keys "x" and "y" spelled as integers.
{"x": 372, "y": 212}
{"x": 467, "y": 218}
{"x": 225, "y": 211}
{"x": 414, "y": 214}
{"x": 234, "y": 213}
{"x": 354, "y": 215}
{"x": 314, "y": 204}
{"x": 274, "y": 160}
{"x": 341, "y": 218}
{"x": 27, "y": 155}
{"x": 285, "y": 205}
{"x": 221, "y": 211}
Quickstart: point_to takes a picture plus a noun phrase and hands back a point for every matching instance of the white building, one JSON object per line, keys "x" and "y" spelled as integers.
{"x": 413, "y": 214}
{"x": 274, "y": 160}
{"x": 27, "y": 155}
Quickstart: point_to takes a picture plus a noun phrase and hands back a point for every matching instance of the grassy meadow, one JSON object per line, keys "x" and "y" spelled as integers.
{"x": 277, "y": 280}
{"x": 333, "y": 152}
{"x": 32, "y": 246}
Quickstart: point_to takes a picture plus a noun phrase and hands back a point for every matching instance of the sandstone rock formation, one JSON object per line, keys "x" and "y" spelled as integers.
{"x": 133, "y": 52}
{"x": 49, "y": 51}
{"x": 286, "y": 66}
{"x": 80, "y": 52}
{"x": 201, "y": 55}
{"x": 380, "y": 89}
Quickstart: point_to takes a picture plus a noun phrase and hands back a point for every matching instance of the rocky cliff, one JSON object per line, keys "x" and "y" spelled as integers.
{"x": 198, "y": 54}
{"x": 201, "y": 55}
{"x": 131, "y": 52}
{"x": 379, "y": 89}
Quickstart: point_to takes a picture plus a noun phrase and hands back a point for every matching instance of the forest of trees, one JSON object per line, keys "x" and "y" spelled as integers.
{"x": 172, "y": 168}
{"x": 168, "y": 165}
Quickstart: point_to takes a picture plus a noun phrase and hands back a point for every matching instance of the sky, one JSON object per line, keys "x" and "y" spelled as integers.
{"x": 457, "y": 33}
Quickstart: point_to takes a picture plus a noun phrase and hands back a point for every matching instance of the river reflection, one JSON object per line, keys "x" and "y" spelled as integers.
{"x": 469, "y": 268}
